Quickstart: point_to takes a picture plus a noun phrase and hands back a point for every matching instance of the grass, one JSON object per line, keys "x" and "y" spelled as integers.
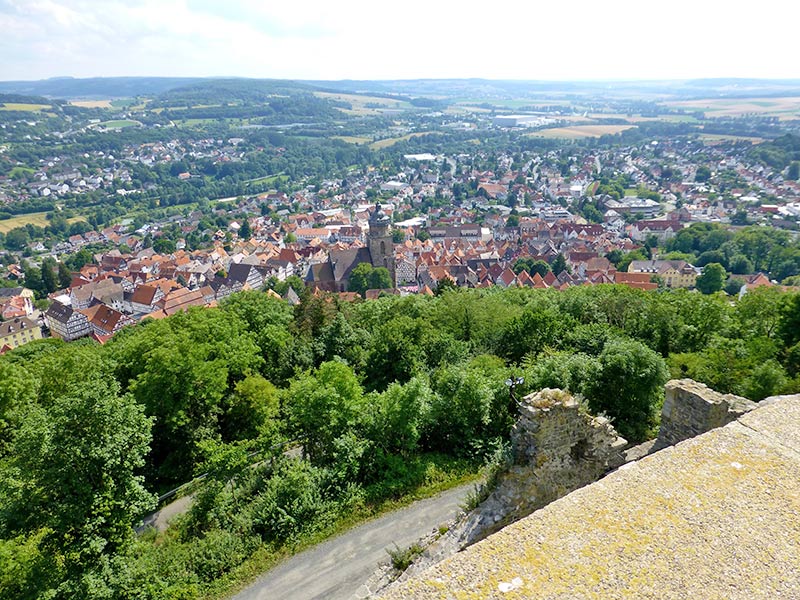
{"x": 359, "y": 103}
{"x": 119, "y": 124}
{"x": 441, "y": 474}
{"x": 21, "y": 171}
{"x": 579, "y": 132}
{"x": 269, "y": 180}
{"x": 352, "y": 139}
{"x": 783, "y": 108}
{"x": 194, "y": 122}
{"x": 640, "y": 119}
{"x": 23, "y": 106}
{"x": 392, "y": 141}
{"x": 37, "y": 219}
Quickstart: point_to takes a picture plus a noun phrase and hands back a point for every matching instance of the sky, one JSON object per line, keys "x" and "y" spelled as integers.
{"x": 408, "y": 39}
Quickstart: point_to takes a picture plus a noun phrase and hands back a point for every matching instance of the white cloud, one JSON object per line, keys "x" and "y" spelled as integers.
{"x": 417, "y": 38}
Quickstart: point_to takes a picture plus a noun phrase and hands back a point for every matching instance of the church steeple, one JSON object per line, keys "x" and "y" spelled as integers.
{"x": 381, "y": 248}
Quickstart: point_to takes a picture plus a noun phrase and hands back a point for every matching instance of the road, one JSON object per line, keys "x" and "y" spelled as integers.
{"x": 336, "y": 568}
{"x": 161, "y": 518}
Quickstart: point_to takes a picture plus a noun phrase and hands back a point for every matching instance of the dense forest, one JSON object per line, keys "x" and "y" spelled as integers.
{"x": 382, "y": 396}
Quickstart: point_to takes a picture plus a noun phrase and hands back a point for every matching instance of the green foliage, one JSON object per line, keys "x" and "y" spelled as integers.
{"x": 402, "y": 558}
{"x": 323, "y": 405}
{"x": 534, "y": 330}
{"x": 532, "y": 266}
{"x": 364, "y": 277}
{"x": 712, "y": 279}
{"x": 86, "y": 509}
{"x": 398, "y": 415}
{"x": 702, "y": 174}
{"x": 180, "y": 369}
{"x": 628, "y": 387}
{"x": 219, "y": 384}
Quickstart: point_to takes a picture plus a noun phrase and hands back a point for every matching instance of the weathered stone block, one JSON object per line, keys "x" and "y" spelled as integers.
{"x": 691, "y": 408}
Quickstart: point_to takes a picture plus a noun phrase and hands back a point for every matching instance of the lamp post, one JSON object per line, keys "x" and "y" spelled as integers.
{"x": 512, "y": 383}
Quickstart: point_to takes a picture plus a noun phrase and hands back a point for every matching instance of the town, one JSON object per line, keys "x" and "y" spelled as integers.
{"x": 572, "y": 214}
{"x": 312, "y": 300}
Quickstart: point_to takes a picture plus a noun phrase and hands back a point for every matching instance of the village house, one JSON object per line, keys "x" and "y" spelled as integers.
{"x": 674, "y": 273}
{"x": 66, "y": 323}
{"x": 16, "y": 332}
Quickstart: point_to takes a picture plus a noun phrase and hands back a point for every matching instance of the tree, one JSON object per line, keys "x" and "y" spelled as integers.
{"x": 17, "y": 238}
{"x": 49, "y": 276}
{"x": 398, "y": 416}
{"x": 740, "y": 218}
{"x": 380, "y": 279}
{"x": 702, "y": 174}
{"x": 360, "y": 278}
{"x": 712, "y": 279}
{"x": 793, "y": 173}
{"x": 628, "y": 386}
{"x": 164, "y": 245}
{"x": 323, "y": 405}
{"x": 711, "y": 256}
{"x": 33, "y": 279}
{"x": 740, "y": 265}
{"x": 733, "y": 286}
{"x": 73, "y": 472}
{"x": 559, "y": 264}
{"x": 244, "y": 230}
{"x": 64, "y": 276}
{"x": 182, "y": 370}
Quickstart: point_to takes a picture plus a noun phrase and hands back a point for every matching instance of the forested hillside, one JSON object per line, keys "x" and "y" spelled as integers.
{"x": 384, "y": 396}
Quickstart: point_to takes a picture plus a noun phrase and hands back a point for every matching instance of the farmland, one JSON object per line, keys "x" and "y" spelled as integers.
{"x": 91, "y": 103}
{"x": 784, "y": 108}
{"x": 39, "y": 219}
{"x": 579, "y": 132}
{"x": 20, "y": 106}
{"x": 353, "y": 139}
{"x": 364, "y": 105}
{"x": 392, "y": 141}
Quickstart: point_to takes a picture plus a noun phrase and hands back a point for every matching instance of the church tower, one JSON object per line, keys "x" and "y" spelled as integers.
{"x": 379, "y": 239}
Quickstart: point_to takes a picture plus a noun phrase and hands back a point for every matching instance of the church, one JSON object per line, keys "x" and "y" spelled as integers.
{"x": 334, "y": 274}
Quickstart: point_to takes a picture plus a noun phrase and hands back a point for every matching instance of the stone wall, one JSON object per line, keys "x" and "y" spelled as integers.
{"x": 691, "y": 408}
{"x": 557, "y": 447}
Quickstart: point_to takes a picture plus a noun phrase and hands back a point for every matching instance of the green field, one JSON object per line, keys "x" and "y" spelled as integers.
{"x": 352, "y": 139}
{"x": 16, "y": 171}
{"x": 269, "y": 180}
{"x": 23, "y": 106}
{"x": 359, "y": 104}
{"x": 39, "y": 219}
{"x": 119, "y": 124}
{"x": 392, "y": 141}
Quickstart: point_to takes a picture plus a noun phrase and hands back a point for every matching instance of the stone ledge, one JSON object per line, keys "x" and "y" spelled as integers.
{"x": 717, "y": 516}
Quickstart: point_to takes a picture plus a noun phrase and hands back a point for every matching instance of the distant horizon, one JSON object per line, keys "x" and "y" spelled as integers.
{"x": 391, "y": 79}
{"x": 618, "y": 40}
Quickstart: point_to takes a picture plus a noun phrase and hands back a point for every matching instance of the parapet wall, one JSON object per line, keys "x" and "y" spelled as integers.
{"x": 691, "y": 408}
{"x": 557, "y": 447}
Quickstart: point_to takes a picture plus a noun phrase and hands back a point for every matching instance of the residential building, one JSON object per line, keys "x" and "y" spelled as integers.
{"x": 66, "y": 323}
{"x": 16, "y": 332}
